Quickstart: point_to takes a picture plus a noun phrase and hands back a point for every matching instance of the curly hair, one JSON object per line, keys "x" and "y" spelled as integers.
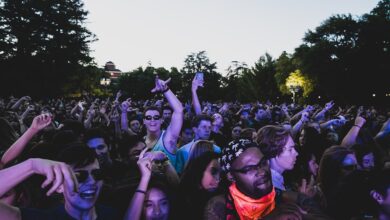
{"x": 271, "y": 139}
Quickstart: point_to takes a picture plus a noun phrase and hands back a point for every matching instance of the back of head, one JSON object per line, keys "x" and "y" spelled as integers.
{"x": 200, "y": 147}
{"x": 77, "y": 154}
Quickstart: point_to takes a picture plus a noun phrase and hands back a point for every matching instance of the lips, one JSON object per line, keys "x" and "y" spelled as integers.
{"x": 262, "y": 180}
{"x": 88, "y": 193}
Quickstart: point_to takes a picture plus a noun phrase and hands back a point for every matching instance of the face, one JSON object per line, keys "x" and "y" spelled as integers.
{"x": 368, "y": 161}
{"x": 217, "y": 120}
{"x": 187, "y": 135}
{"x": 152, "y": 120}
{"x": 286, "y": 159}
{"x": 261, "y": 114}
{"x": 89, "y": 187}
{"x": 135, "y": 126}
{"x": 167, "y": 114}
{"x": 211, "y": 176}
{"x": 156, "y": 205}
{"x": 236, "y": 132}
{"x": 203, "y": 130}
{"x": 302, "y": 139}
{"x": 244, "y": 115}
{"x": 99, "y": 145}
{"x": 333, "y": 137}
{"x": 251, "y": 173}
{"x": 313, "y": 166}
{"x": 135, "y": 151}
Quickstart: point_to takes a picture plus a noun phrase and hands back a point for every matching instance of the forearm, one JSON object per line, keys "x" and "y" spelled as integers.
{"x": 196, "y": 103}
{"x": 320, "y": 115}
{"x": 124, "y": 121}
{"x": 296, "y": 129}
{"x": 12, "y": 176}
{"x": 351, "y": 136}
{"x": 16, "y": 148}
{"x": 173, "y": 101}
{"x": 9, "y": 212}
{"x": 134, "y": 210}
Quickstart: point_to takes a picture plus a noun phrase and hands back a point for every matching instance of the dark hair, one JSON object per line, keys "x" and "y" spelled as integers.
{"x": 256, "y": 109}
{"x": 360, "y": 151}
{"x": 7, "y": 135}
{"x": 73, "y": 125}
{"x": 202, "y": 117}
{"x": 272, "y": 139}
{"x": 167, "y": 107}
{"x": 329, "y": 171}
{"x": 152, "y": 108}
{"x": 247, "y": 133}
{"x": 77, "y": 154}
{"x": 96, "y": 133}
{"x": 127, "y": 142}
{"x": 200, "y": 147}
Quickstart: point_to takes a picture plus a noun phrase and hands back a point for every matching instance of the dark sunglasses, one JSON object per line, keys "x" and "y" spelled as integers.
{"x": 82, "y": 175}
{"x": 149, "y": 117}
{"x": 263, "y": 164}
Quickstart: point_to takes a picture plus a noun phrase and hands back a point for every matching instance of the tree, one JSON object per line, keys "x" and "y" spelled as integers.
{"x": 297, "y": 81}
{"x": 199, "y": 62}
{"x": 44, "y": 43}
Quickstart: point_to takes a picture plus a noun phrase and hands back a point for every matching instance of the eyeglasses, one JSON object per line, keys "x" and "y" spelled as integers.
{"x": 253, "y": 169}
{"x": 155, "y": 117}
{"x": 82, "y": 175}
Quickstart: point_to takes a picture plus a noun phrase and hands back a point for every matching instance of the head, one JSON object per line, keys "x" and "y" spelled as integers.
{"x": 277, "y": 145}
{"x": 96, "y": 139}
{"x": 157, "y": 203}
{"x": 152, "y": 119}
{"x": 186, "y": 134}
{"x": 245, "y": 164}
{"x": 217, "y": 120}
{"x": 336, "y": 163}
{"x": 201, "y": 125}
{"x": 364, "y": 156}
{"x": 135, "y": 125}
{"x": 84, "y": 164}
{"x": 130, "y": 147}
{"x": 260, "y": 113}
{"x": 200, "y": 147}
{"x": 249, "y": 133}
{"x": 167, "y": 113}
{"x": 202, "y": 174}
{"x": 236, "y": 132}
{"x": 332, "y": 137}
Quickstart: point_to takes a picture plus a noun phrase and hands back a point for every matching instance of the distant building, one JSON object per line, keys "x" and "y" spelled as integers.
{"x": 112, "y": 70}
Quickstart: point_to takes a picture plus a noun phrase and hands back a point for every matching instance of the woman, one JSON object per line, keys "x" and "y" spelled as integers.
{"x": 199, "y": 182}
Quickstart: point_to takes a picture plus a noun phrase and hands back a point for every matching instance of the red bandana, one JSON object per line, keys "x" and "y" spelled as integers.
{"x": 251, "y": 209}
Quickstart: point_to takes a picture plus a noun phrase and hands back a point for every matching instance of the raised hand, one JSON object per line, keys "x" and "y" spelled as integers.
{"x": 359, "y": 121}
{"x": 125, "y": 105}
{"x": 160, "y": 85}
{"x": 56, "y": 173}
{"x": 145, "y": 164}
{"x": 40, "y": 122}
{"x": 329, "y": 105}
{"x": 305, "y": 117}
{"x": 196, "y": 83}
{"x": 309, "y": 189}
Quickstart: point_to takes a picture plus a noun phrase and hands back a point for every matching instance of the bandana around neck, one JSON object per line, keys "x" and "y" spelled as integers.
{"x": 251, "y": 209}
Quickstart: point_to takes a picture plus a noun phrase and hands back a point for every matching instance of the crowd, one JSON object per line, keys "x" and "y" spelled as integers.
{"x": 94, "y": 158}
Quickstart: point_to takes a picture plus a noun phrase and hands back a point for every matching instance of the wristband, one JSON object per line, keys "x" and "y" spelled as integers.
{"x": 165, "y": 90}
{"x": 140, "y": 191}
{"x": 357, "y": 126}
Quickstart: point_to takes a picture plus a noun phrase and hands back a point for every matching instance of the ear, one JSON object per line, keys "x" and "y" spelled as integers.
{"x": 230, "y": 177}
{"x": 376, "y": 196}
{"x": 195, "y": 130}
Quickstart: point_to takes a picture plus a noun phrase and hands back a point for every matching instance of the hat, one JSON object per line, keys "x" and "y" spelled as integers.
{"x": 233, "y": 151}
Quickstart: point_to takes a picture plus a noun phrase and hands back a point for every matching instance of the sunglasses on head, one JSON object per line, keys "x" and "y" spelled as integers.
{"x": 82, "y": 175}
{"x": 155, "y": 117}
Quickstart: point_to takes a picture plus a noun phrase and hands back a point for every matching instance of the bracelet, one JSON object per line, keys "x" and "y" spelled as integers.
{"x": 357, "y": 126}
{"x": 140, "y": 191}
{"x": 165, "y": 90}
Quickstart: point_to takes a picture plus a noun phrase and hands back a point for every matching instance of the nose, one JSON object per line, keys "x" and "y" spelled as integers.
{"x": 156, "y": 210}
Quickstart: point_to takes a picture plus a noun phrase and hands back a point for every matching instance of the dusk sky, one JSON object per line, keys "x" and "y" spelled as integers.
{"x": 164, "y": 32}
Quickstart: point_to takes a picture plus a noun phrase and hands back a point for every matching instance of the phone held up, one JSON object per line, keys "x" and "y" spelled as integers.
{"x": 199, "y": 76}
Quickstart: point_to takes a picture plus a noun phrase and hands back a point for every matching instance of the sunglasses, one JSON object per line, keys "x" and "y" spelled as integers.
{"x": 253, "y": 169}
{"x": 82, "y": 175}
{"x": 149, "y": 117}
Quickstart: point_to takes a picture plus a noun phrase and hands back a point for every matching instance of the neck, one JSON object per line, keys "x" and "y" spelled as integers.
{"x": 89, "y": 214}
{"x": 151, "y": 135}
{"x": 275, "y": 166}
{"x": 216, "y": 128}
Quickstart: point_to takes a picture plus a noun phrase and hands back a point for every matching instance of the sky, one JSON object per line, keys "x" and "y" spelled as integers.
{"x": 132, "y": 33}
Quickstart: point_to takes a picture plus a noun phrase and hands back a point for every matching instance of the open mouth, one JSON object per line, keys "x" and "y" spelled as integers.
{"x": 88, "y": 194}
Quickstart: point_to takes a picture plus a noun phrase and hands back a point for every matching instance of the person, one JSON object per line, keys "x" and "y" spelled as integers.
{"x": 379, "y": 193}
{"x": 200, "y": 182}
{"x": 78, "y": 177}
{"x": 201, "y": 126}
{"x": 261, "y": 117}
{"x": 96, "y": 139}
{"x": 155, "y": 138}
{"x": 278, "y": 146}
{"x": 151, "y": 200}
{"x": 250, "y": 194}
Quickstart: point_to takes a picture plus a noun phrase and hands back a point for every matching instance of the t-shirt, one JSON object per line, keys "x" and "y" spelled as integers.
{"x": 159, "y": 146}
{"x": 59, "y": 213}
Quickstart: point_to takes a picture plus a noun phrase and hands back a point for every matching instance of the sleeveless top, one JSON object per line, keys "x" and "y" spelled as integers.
{"x": 159, "y": 146}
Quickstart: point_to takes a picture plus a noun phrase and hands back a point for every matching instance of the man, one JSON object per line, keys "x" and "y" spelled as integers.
{"x": 250, "y": 194}
{"x": 167, "y": 115}
{"x": 95, "y": 138}
{"x": 201, "y": 126}
{"x": 79, "y": 179}
{"x": 261, "y": 117}
{"x": 155, "y": 138}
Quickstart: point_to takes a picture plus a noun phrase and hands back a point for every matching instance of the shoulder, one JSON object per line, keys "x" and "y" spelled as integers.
{"x": 215, "y": 208}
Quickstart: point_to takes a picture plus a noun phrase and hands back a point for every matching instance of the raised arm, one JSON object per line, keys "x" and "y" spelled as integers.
{"x": 134, "y": 210}
{"x": 195, "y": 99}
{"x": 124, "y": 121}
{"x": 39, "y": 122}
{"x": 321, "y": 114}
{"x": 350, "y": 138}
{"x": 298, "y": 126}
{"x": 385, "y": 130}
{"x": 173, "y": 131}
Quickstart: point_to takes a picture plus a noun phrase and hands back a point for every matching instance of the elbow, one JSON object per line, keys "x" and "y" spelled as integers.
{"x": 179, "y": 109}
